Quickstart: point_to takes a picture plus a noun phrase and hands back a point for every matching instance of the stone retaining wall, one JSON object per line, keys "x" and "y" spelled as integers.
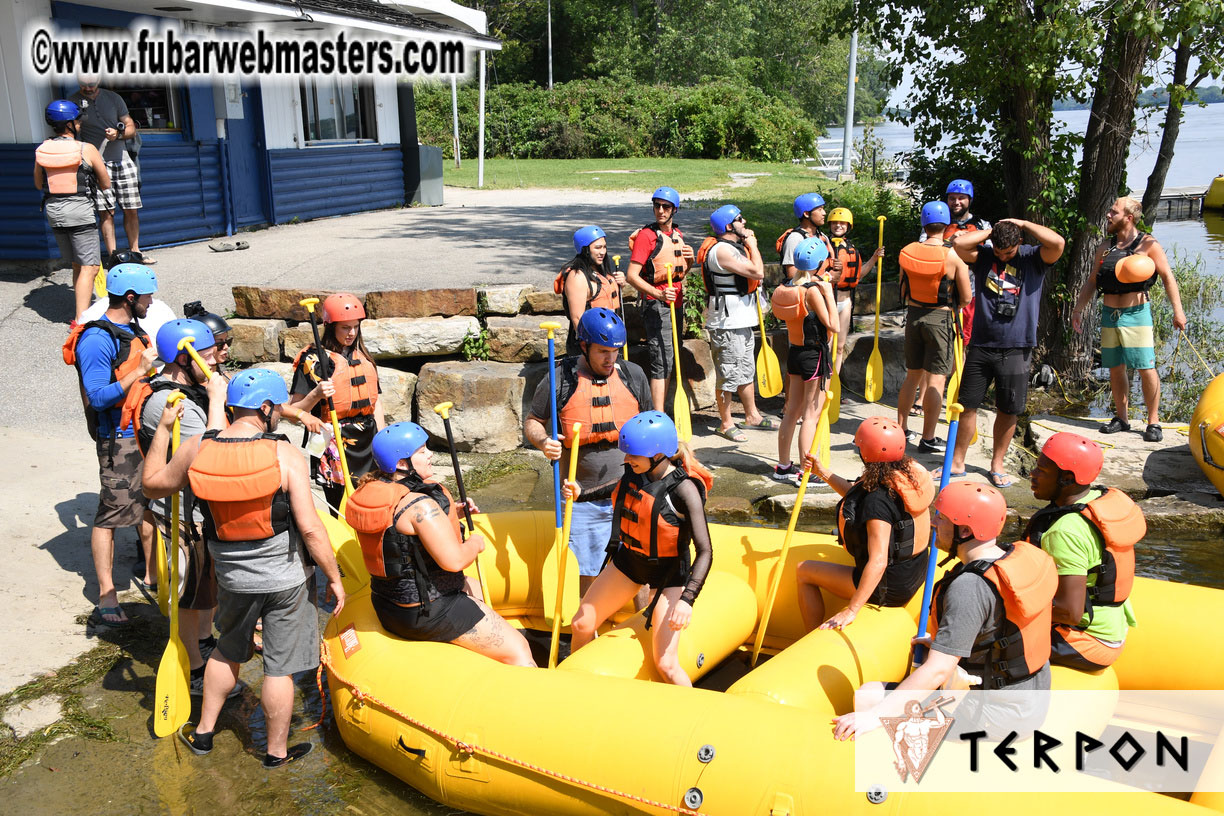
{"x": 417, "y": 335}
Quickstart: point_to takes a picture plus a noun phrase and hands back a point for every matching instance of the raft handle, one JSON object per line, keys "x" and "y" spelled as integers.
{"x": 403, "y": 746}
{"x": 705, "y": 753}
{"x": 693, "y": 797}
{"x": 1206, "y": 454}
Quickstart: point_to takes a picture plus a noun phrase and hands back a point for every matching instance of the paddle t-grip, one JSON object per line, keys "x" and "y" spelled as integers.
{"x": 442, "y": 409}
{"x": 187, "y": 343}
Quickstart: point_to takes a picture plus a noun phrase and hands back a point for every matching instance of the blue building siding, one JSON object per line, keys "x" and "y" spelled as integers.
{"x": 322, "y": 181}
{"x": 181, "y": 192}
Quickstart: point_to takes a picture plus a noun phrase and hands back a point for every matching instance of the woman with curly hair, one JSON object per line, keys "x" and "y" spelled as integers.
{"x": 883, "y": 521}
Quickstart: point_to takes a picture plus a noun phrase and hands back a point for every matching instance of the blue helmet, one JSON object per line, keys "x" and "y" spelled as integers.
{"x": 255, "y": 386}
{"x": 810, "y": 253}
{"x": 130, "y": 277}
{"x": 720, "y": 219}
{"x": 960, "y": 186}
{"x": 808, "y": 202}
{"x": 174, "y": 332}
{"x": 603, "y": 327}
{"x": 586, "y": 236}
{"x": 397, "y": 441}
{"x": 935, "y": 212}
{"x": 61, "y": 110}
{"x": 649, "y": 433}
{"x": 667, "y": 194}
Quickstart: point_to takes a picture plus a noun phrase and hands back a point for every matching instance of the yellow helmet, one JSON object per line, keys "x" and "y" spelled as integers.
{"x": 842, "y": 214}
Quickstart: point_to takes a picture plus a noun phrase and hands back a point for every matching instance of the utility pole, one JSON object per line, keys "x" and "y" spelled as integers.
{"x": 848, "y": 137}
{"x": 550, "y": 80}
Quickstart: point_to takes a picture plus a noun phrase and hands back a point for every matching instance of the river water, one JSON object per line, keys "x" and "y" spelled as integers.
{"x": 1196, "y": 161}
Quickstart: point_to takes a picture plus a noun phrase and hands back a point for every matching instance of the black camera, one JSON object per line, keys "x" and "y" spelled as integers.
{"x": 120, "y": 127}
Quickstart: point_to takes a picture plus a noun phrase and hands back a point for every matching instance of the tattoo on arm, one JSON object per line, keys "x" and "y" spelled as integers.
{"x": 428, "y": 512}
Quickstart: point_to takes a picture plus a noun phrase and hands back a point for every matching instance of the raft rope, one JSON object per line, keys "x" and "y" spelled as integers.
{"x": 364, "y": 698}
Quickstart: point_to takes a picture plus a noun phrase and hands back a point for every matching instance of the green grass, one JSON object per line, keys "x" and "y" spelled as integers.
{"x": 766, "y": 202}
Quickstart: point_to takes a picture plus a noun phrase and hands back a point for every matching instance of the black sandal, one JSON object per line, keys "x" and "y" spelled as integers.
{"x": 295, "y": 753}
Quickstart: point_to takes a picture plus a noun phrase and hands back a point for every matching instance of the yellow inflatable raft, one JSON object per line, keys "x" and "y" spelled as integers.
{"x": 592, "y": 738}
{"x": 1207, "y": 432}
{"x": 1214, "y": 200}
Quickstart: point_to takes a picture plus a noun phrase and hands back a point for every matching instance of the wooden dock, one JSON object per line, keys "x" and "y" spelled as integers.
{"x": 1178, "y": 203}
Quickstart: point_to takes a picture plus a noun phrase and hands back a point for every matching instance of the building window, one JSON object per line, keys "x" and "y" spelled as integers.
{"x": 154, "y": 105}
{"x": 337, "y": 109}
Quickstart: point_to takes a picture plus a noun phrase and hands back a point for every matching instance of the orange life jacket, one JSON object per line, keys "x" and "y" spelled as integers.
{"x": 602, "y": 406}
{"x": 644, "y": 517}
{"x": 1025, "y": 581}
{"x": 387, "y": 552}
{"x": 63, "y": 163}
{"x": 954, "y": 229}
{"x": 789, "y": 304}
{"x": 607, "y": 293}
{"x": 910, "y": 535}
{"x": 356, "y": 383}
{"x": 719, "y": 285}
{"x": 781, "y": 242}
{"x": 668, "y": 249}
{"x": 138, "y": 395}
{"x": 1107, "y": 275}
{"x": 852, "y": 263}
{"x": 239, "y": 481}
{"x": 922, "y": 279}
{"x": 130, "y": 341}
{"x": 1120, "y": 525}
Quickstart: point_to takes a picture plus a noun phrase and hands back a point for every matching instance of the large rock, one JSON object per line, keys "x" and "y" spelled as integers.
{"x": 421, "y": 303}
{"x": 416, "y": 337}
{"x": 279, "y": 304}
{"x": 294, "y": 339}
{"x": 521, "y": 340}
{"x": 864, "y": 294}
{"x": 487, "y": 416}
{"x": 255, "y": 341}
{"x": 398, "y": 389}
{"x": 696, "y": 363}
{"x": 548, "y": 302}
{"x": 504, "y": 300}
{"x": 854, "y": 371}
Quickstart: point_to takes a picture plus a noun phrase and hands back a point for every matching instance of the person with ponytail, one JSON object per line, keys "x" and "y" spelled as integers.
{"x": 596, "y": 285}
{"x": 658, "y": 508}
{"x": 413, "y": 546}
{"x": 883, "y": 521}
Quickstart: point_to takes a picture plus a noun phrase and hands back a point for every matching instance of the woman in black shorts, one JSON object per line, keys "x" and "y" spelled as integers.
{"x": 809, "y": 309}
{"x": 652, "y": 548}
{"x": 408, "y": 527}
{"x": 883, "y": 521}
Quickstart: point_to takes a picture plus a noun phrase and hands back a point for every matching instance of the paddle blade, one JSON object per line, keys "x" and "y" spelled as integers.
{"x": 163, "y": 575}
{"x": 835, "y": 404}
{"x": 874, "y": 387}
{"x": 549, "y": 576}
{"x": 100, "y": 283}
{"x": 680, "y": 414}
{"x": 953, "y": 389}
{"x": 172, "y": 694}
{"x": 353, "y": 572}
{"x": 769, "y": 373}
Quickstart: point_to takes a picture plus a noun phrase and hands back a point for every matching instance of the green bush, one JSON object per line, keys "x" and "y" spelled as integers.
{"x": 602, "y": 119}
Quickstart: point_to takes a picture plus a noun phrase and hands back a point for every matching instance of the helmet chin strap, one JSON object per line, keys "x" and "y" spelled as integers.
{"x": 957, "y": 540}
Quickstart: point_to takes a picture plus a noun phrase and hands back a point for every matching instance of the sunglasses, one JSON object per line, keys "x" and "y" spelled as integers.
{"x": 662, "y": 205}
{"x": 226, "y": 343}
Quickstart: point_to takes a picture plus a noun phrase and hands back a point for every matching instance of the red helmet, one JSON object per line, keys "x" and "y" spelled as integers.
{"x": 880, "y": 439}
{"x": 342, "y": 307}
{"x": 1079, "y": 455}
{"x": 979, "y": 507}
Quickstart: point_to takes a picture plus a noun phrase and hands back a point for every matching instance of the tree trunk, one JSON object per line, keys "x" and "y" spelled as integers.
{"x": 1173, "y": 119}
{"x": 1029, "y": 113}
{"x": 1106, "y": 145}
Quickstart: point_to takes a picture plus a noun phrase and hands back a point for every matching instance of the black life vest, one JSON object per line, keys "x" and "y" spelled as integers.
{"x": 1107, "y": 276}
{"x": 913, "y": 526}
{"x": 721, "y": 285}
{"x": 668, "y": 249}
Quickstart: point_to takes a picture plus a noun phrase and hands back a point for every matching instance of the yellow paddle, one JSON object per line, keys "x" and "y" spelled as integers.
{"x": 172, "y": 695}
{"x": 188, "y": 343}
{"x": 769, "y": 371}
{"x": 786, "y": 542}
{"x": 621, "y": 300}
{"x": 680, "y": 405}
{"x": 163, "y": 575}
{"x": 822, "y": 426}
{"x": 562, "y": 555}
{"x": 874, "y": 386}
{"x": 310, "y": 304}
{"x": 100, "y": 282}
{"x": 957, "y": 373}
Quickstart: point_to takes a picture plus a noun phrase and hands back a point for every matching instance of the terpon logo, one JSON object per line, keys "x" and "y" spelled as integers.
{"x": 916, "y": 737}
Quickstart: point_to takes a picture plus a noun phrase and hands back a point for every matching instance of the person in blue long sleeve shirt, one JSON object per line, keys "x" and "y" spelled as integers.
{"x": 106, "y": 377}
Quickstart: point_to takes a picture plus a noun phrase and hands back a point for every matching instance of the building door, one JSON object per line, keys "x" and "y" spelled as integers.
{"x": 248, "y": 168}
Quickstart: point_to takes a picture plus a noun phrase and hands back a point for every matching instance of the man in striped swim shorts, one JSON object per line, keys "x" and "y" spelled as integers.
{"x": 1126, "y": 268}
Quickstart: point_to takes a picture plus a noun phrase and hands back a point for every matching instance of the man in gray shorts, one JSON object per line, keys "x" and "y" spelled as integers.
{"x": 106, "y": 124}
{"x": 729, "y": 269}
{"x": 68, "y": 172}
{"x": 258, "y": 513}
